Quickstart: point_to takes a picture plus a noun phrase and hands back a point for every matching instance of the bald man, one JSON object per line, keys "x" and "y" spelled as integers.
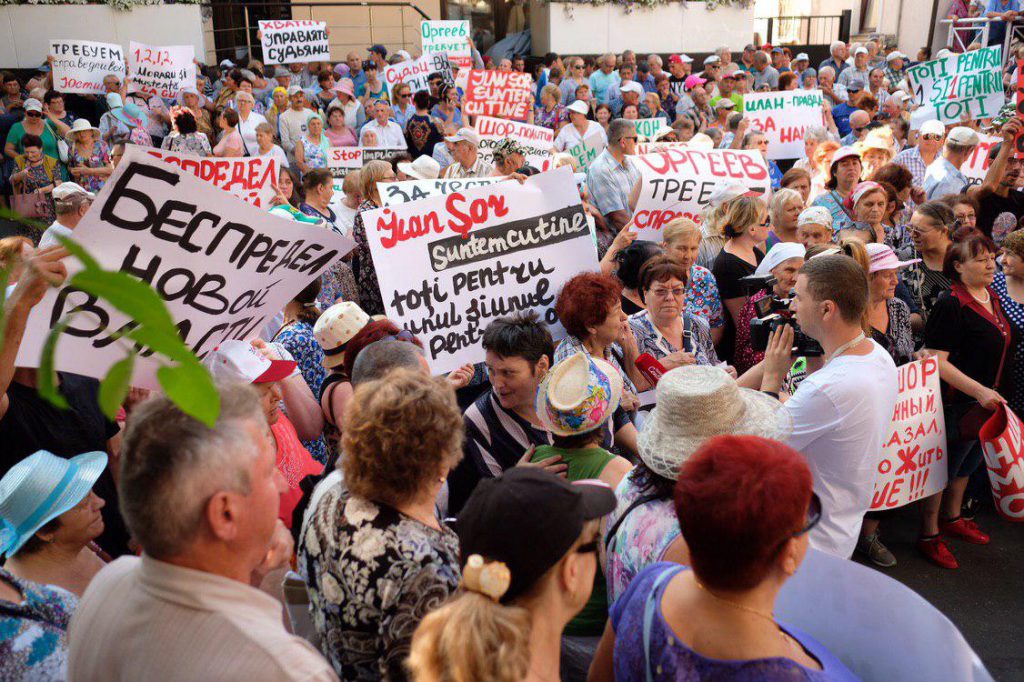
{"x": 858, "y": 119}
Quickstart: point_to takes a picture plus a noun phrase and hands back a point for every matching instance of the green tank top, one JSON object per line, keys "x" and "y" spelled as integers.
{"x": 584, "y": 464}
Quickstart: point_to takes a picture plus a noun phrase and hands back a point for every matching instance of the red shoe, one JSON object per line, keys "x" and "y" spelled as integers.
{"x": 936, "y": 551}
{"x": 965, "y": 530}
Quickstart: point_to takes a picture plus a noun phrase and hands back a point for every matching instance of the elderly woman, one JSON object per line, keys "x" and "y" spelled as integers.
{"x": 362, "y": 262}
{"x": 901, "y": 181}
{"x": 965, "y": 209}
{"x": 376, "y": 556}
{"x": 714, "y": 620}
{"x": 88, "y": 159}
{"x": 744, "y": 224}
{"x": 625, "y": 258}
{"x": 682, "y": 241}
{"x": 248, "y": 121}
{"x": 875, "y": 151}
{"x": 799, "y": 180}
{"x": 355, "y": 113}
{"x": 666, "y": 330}
{"x": 279, "y": 105}
{"x": 185, "y": 135}
{"x": 550, "y": 114}
{"x": 447, "y": 109}
{"x": 867, "y": 203}
{"x": 311, "y": 149}
{"x": 783, "y": 263}
{"x": 230, "y": 144}
{"x": 48, "y": 503}
{"x": 1009, "y": 286}
{"x": 974, "y": 343}
{"x": 844, "y": 174}
{"x": 813, "y": 136}
{"x": 509, "y": 157}
{"x": 265, "y": 145}
{"x": 814, "y": 226}
{"x": 194, "y": 102}
{"x": 784, "y": 208}
{"x": 579, "y": 128}
{"x": 37, "y": 174}
{"x": 338, "y": 133}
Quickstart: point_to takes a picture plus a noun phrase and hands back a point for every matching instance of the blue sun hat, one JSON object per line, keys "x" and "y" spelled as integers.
{"x": 40, "y": 488}
{"x": 578, "y": 395}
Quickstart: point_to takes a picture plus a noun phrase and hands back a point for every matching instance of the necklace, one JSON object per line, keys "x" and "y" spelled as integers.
{"x": 765, "y": 616}
{"x": 983, "y": 301}
{"x": 845, "y": 347}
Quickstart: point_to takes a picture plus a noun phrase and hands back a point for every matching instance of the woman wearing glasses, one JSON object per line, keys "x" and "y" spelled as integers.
{"x": 714, "y": 620}
{"x": 931, "y": 231}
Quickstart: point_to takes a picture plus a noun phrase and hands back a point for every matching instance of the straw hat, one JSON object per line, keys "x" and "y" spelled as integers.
{"x": 40, "y": 488}
{"x": 335, "y": 328}
{"x": 80, "y": 125}
{"x": 697, "y": 402}
{"x": 423, "y": 168}
{"x": 578, "y": 395}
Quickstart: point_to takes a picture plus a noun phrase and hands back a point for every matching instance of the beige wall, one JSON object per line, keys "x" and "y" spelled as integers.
{"x": 356, "y": 28}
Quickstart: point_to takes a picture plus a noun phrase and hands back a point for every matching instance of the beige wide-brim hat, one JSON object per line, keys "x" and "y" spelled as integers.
{"x": 578, "y": 395}
{"x": 697, "y": 402}
{"x": 335, "y": 328}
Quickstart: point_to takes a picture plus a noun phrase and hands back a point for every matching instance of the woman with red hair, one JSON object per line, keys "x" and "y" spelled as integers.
{"x": 745, "y": 507}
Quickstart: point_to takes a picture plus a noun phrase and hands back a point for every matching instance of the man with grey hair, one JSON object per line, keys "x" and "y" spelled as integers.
{"x": 612, "y": 175}
{"x": 834, "y": 93}
{"x": 654, "y": 70}
{"x": 856, "y": 77}
{"x": 71, "y": 201}
{"x": 764, "y": 72}
{"x": 944, "y": 176}
{"x": 725, "y": 55}
{"x": 838, "y": 52}
{"x": 605, "y": 77}
{"x": 202, "y": 503}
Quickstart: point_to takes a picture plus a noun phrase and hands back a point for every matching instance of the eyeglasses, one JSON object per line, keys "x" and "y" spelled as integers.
{"x": 34, "y": 114}
{"x": 678, "y": 292}
{"x": 405, "y": 95}
{"x": 934, "y": 138}
{"x": 813, "y": 516}
{"x": 918, "y": 231}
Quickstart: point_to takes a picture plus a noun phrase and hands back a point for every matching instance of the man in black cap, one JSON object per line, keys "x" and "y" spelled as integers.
{"x": 379, "y": 56}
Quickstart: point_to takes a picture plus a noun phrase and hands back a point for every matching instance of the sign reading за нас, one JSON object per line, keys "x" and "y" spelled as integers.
{"x": 968, "y": 84}
{"x": 784, "y": 117}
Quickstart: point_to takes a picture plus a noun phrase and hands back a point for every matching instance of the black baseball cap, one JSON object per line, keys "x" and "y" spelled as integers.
{"x": 528, "y": 519}
{"x": 379, "y": 49}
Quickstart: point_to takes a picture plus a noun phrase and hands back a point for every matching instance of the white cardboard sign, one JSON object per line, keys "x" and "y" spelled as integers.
{"x": 79, "y": 66}
{"x": 161, "y": 71}
{"x": 286, "y": 41}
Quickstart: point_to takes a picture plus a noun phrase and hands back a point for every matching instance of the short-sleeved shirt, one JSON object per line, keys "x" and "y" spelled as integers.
{"x": 943, "y": 178}
{"x": 999, "y": 216}
{"x": 610, "y": 182}
{"x": 650, "y": 340}
{"x": 728, "y": 270}
{"x": 33, "y": 634}
{"x": 912, "y": 160}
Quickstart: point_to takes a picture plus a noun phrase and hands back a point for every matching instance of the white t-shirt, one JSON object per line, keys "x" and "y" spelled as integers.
{"x": 345, "y": 217}
{"x": 55, "y": 230}
{"x": 276, "y": 153}
{"x": 569, "y": 137}
{"x": 839, "y": 416}
{"x": 247, "y": 129}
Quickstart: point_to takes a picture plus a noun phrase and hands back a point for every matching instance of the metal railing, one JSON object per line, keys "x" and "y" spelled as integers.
{"x": 963, "y": 32}
{"x": 804, "y": 30}
{"x": 235, "y": 24}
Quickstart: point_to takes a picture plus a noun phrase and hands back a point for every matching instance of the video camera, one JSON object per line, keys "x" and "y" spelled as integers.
{"x": 771, "y": 313}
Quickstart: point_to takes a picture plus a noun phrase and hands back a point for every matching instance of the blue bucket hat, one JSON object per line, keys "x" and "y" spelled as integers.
{"x": 40, "y": 488}
{"x": 130, "y": 114}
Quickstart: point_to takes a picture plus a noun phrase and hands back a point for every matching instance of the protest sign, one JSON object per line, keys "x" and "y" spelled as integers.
{"x": 968, "y": 85}
{"x": 652, "y": 147}
{"x": 676, "y": 183}
{"x": 784, "y": 117}
{"x": 79, "y": 66}
{"x": 251, "y": 179}
{"x": 448, "y": 265}
{"x": 342, "y": 160}
{"x": 977, "y": 163}
{"x": 648, "y": 126}
{"x": 1018, "y": 142}
{"x": 160, "y": 71}
{"x": 587, "y": 150}
{"x": 1003, "y": 445}
{"x": 447, "y": 37}
{"x": 414, "y": 72}
{"x": 913, "y": 462}
{"x": 392, "y": 193}
{"x": 223, "y": 267}
{"x": 537, "y": 140}
{"x": 286, "y": 41}
{"x": 505, "y": 94}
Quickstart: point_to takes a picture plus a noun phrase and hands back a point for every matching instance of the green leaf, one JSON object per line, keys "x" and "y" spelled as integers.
{"x": 131, "y": 296}
{"x": 79, "y": 252}
{"x": 114, "y": 387}
{"x": 168, "y": 344}
{"x": 48, "y": 389}
{"x": 190, "y": 387}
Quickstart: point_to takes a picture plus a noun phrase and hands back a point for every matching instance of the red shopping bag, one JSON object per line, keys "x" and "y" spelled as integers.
{"x": 1002, "y": 440}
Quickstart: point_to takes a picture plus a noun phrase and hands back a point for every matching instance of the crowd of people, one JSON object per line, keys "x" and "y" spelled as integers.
{"x": 530, "y": 517}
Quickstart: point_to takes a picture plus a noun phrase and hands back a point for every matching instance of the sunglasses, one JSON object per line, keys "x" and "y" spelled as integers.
{"x": 813, "y": 516}
{"x": 932, "y": 137}
{"x": 34, "y": 114}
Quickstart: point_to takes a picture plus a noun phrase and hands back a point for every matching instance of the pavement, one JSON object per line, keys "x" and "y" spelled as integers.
{"x": 984, "y": 597}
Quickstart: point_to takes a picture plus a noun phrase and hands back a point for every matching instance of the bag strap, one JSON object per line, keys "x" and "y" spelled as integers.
{"x": 652, "y": 603}
{"x": 609, "y": 536}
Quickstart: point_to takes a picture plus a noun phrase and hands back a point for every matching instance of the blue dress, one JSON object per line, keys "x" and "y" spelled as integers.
{"x": 298, "y": 338}
{"x": 671, "y": 659}
{"x": 1015, "y": 314}
{"x": 33, "y": 634}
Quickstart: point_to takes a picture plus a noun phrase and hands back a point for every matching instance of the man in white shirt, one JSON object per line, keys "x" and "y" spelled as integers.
{"x": 292, "y": 123}
{"x": 71, "y": 202}
{"x": 944, "y": 176}
{"x": 467, "y": 161}
{"x": 839, "y": 413}
{"x": 387, "y": 132}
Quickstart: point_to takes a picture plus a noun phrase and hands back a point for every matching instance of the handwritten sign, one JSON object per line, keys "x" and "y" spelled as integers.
{"x": 784, "y": 117}
{"x": 1003, "y": 445}
{"x": 80, "y": 66}
{"x": 251, "y": 179}
{"x": 653, "y": 147}
{"x": 222, "y": 266}
{"x": 393, "y": 193}
{"x": 977, "y": 163}
{"x": 286, "y": 41}
{"x": 415, "y": 72}
{"x": 343, "y": 160}
{"x": 537, "y": 140}
{"x": 504, "y": 94}
{"x": 447, "y": 37}
{"x": 962, "y": 85}
{"x": 913, "y": 462}
{"x": 648, "y": 126}
{"x": 160, "y": 71}
{"x": 587, "y": 150}
{"x": 677, "y": 183}
{"x": 448, "y": 265}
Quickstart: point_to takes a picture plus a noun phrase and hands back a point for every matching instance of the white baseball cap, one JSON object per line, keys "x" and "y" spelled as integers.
{"x": 632, "y": 86}
{"x": 423, "y": 168}
{"x": 894, "y": 55}
{"x": 943, "y": 53}
{"x": 578, "y": 107}
{"x": 802, "y": 57}
{"x": 465, "y": 135}
{"x": 933, "y": 127}
{"x": 239, "y": 362}
{"x": 964, "y": 136}
{"x": 68, "y": 189}
{"x": 32, "y": 104}
{"x": 713, "y": 59}
{"x": 860, "y": 50}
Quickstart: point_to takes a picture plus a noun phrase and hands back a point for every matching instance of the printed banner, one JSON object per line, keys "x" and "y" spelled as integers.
{"x": 676, "y": 183}
{"x": 537, "y": 140}
{"x": 80, "y": 66}
{"x": 504, "y": 94}
{"x": 913, "y": 462}
{"x": 648, "y": 126}
{"x": 161, "y": 71}
{"x": 343, "y": 160}
{"x": 286, "y": 41}
{"x": 222, "y": 266}
{"x": 977, "y": 163}
{"x": 1003, "y": 446}
{"x": 448, "y": 265}
{"x": 415, "y": 72}
{"x": 587, "y": 150}
{"x": 447, "y": 37}
{"x": 968, "y": 84}
{"x": 251, "y": 179}
{"x": 393, "y": 193}
{"x": 784, "y": 117}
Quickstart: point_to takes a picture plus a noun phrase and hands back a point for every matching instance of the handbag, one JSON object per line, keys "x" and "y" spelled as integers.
{"x": 30, "y": 205}
{"x": 63, "y": 148}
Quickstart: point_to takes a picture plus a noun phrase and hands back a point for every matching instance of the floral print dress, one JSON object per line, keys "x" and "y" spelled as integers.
{"x": 297, "y": 338}
{"x": 99, "y": 158}
{"x": 33, "y": 634}
{"x": 372, "y": 574}
{"x": 702, "y": 297}
{"x": 362, "y": 265}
